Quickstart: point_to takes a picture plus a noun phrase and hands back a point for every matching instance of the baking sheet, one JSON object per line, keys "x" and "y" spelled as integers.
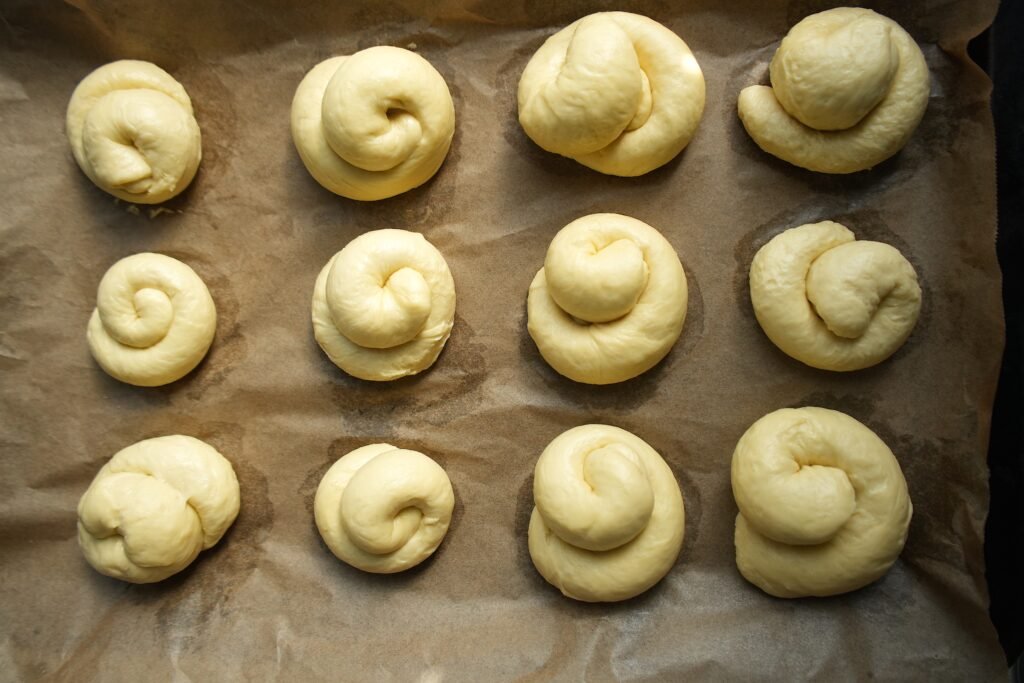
{"x": 270, "y": 602}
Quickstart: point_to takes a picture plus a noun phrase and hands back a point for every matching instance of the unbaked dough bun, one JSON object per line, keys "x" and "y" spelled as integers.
{"x": 154, "y": 320}
{"x": 374, "y": 124}
{"x": 824, "y": 508}
{"x": 831, "y": 301}
{"x": 384, "y": 509}
{"x": 615, "y": 91}
{"x": 132, "y": 131}
{"x": 384, "y": 306}
{"x": 154, "y": 506}
{"x": 608, "y": 522}
{"x": 849, "y": 87}
{"x": 609, "y": 302}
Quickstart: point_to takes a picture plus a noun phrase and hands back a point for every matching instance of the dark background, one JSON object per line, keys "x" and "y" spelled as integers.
{"x": 1001, "y": 52}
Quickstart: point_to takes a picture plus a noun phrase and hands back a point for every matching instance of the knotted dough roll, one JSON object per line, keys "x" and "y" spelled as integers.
{"x": 849, "y": 87}
{"x": 615, "y": 91}
{"x": 608, "y": 522}
{"x": 831, "y": 301}
{"x": 824, "y": 508}
{"x": 154, "y": 320}
{"x": 609, "y": 302}
{"x": 132, "y": 131}
{"x": 374, "y": 124}
{"x": 154, "y": 506}
{"x": 384, "y": 306}
{"x": 384, "y": 509}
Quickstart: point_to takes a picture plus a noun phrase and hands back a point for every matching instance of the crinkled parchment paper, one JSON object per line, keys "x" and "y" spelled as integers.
{"x": 270, "y": 602}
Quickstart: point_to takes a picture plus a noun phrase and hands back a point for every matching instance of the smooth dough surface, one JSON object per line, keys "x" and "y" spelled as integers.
{"x": 608, "y": 522}
{"x": 831, "y": 301}
{"x": 384, "y": 509}
{"x": 373, "y": 124}
{"x": 154, "y": 506}
{"x": 849, "y": 87}
{"x": 384, "y": 306}
{"x": 824, "y": 507}
{"x": 133, "y": 133}
{"x": 154, "y": 320}
{"x": 609, "y": 302}
{"x": 617, "y": 92}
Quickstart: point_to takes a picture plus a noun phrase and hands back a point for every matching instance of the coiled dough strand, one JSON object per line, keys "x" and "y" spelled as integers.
{"x": 383, "y": 509}
{"x": 133, "y": 133}
{"x": 609, "y": 302}
{"x": 154, "y": 320}
{"x": 154, "y": 506}
{"x": 617, "y": 92}
{"x": 609, "y": 520}
{"x": 849, "y": 87}
{"x": 824, "y": 507}
{"x": 374, "y": 124}
{"x": 833, "y": 302}
{"x": 384, "y": 306}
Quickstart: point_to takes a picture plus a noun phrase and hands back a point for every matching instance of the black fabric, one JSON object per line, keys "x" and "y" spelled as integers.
{"x": 1001, "y": 52}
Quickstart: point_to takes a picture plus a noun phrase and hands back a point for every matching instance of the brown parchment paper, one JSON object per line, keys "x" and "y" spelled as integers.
{"x": 270, "y": 602}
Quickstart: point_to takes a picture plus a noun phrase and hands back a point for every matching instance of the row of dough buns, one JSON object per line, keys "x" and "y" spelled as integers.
{"x": 823, "y": 508}
{"x": 609, "y": 304}
{"x": 617, "y": 92}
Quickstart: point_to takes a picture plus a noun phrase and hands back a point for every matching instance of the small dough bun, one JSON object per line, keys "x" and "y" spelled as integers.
{"x": 154, "y": 320}
{"x": 824, "y": 508}
{"x": 849, "y": 87}
{"x": 374, "y": 124}
{"x": 154, "y": 506}
{"x": 831, "y": 301}
{"x": 615, "y": 91}
{"x": 132, "y": 131}
{"x": 384, "y": 509}
{"x": 609, "y": 302}
{"x": 384, "y": 306}
{"x": 608, "y": 522}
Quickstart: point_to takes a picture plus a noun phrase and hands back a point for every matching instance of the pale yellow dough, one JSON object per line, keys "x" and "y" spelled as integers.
{"x": 384, "y": 509}
{"x": 154, "y": 506}
{"x": 831, "y": 301}
{"x": 824, "y": 507}
{"x": 609, "y": 302}
{"x": 132, "y": 131}
{"x": 849, "y": 87}
{"x": 154, "y": 320}
{"x": 608, "y": 522}
{"x": 384, "y": 306}
{"x": 373, "y": 124}
{"x": 615, "y": 91}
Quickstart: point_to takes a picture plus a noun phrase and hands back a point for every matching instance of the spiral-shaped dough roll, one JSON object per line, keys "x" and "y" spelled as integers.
{"x": 615, "y": 91}
{"x": 132, "y": 131}
{"x": 374, "y": 124}
{"x": 824, "y": 507}
{"x": 849, "y": 87}
{"x": 154, "y": 320}
{"x": 608, "y": 522}
{"x": 154, "y": 506}
{"x": 384, "y": 306}
{"x": 609, "y": 302}
{"x": 384, "y": 509}
{"x": 832, "y": 302}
